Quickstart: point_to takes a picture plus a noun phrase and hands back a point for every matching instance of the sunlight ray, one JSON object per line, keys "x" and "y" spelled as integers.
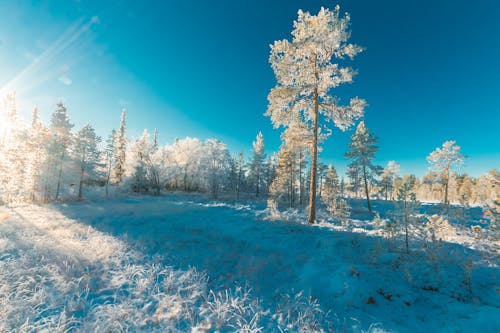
{"x": 65, "y": 41}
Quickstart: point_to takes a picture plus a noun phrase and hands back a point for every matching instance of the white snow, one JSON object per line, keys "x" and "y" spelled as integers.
{"x": 184, "y": 264}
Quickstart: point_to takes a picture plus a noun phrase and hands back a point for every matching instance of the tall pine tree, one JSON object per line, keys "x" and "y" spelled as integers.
{"x": 362, "y": 149}
{"x": 306, "y": 74}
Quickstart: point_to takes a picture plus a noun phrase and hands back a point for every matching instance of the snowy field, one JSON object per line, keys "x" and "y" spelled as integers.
{"x": 180, "y": 263}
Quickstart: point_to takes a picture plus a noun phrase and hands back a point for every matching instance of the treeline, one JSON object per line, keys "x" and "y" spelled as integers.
{"x": 46, "y": 162}
{"x": 50, "y": 162}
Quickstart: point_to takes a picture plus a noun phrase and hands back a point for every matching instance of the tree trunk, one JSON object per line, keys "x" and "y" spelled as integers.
{"x": 238, "y": 184}
{"x": 59, "y": 176}
{"x": 80, "y": 192}
{"x": 314, "y": 162}
{"x": 366, "y": 189}
{"x": 446, "y": 185}
{"x": 300, "y": 178}
{"x": 258, "y": 182}
{"x": 108, "y": 176}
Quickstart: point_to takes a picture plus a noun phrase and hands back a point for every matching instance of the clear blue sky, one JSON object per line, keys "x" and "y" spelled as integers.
{"x": 430, "y": 72}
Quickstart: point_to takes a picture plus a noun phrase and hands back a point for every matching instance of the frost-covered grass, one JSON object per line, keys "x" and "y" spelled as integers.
{"x": 184, "y": 264}
{"x": 58, "y": 275}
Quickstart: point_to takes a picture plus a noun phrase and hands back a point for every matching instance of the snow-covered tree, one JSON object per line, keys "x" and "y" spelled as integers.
{"x": 86, "y": 154}
{"x": 257, "y": 164}
{"x": 120, "y": 150}
{"x": 36, "y": 155}
{"x": 406, "y": 205}
{"x": 336, "y": 205}
{"x": 13, "y": 157}
{"x": 283, "y": 186}
{"x": 354, "y": 185}
{"x": 306, "y": 74}
{"x": 216, "y": 163}
{"x": 387, "y": 179}
{"x": 62, "y": 138}
{"x": 136, "y": 169}
{"x": 442, "y": 160}
{"x": 184, "y": 158}
{"x": 109, "y": 153}
{"x": 237, "y": 174}
{"x": 362, "y": 149}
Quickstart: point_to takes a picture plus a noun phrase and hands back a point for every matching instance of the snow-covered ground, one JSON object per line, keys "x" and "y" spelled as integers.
{"x": 184, "y": 264}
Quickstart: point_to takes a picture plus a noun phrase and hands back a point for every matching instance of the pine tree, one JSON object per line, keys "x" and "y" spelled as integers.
{"x": 109, "y": 153}
{"x": 86, "y": 154}
{"x": 36, "y": 155}
{"x": 62, "y": 138}
{"x": 387, "y": 179}
{"x": 241, "y": 174}
{"x": 305, "y": 75}
{"x": 283, "y": 186}
{"x": 138, "y": 155}
{"x": 442, "y": 160}
{"x": 354, "y": 180}
{"x": 120, "y": 150}
{"x": 406, "y": 205}
{"x": 362, "y": 151}
{"x": 257, "y": 164}
{"x": 331, "y": 197}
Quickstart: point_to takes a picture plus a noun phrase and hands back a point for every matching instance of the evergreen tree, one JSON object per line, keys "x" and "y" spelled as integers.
{"x": 120, "y": 150}
{"x": 109, "y": 153}
{"x": 362, "y": 151}
{"x": 36, "y": 155}
{"x": 257, "y": 164}
{"x": 406, "y": 205}
{"x": 305, "y": 75}
{"x": 86, "y": 154}
{"x": 331, "y": 197}
{"x": 62, "y": 138}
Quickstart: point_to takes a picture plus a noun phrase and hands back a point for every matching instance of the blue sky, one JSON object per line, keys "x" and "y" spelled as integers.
{"x": 430, "y": 71}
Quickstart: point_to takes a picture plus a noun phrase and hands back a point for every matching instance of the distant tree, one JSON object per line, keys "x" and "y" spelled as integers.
{"x": 120, "y": 150}
{"x": 237, "y": 174}
{"x": 86, "y": 154}
{"x": 283, "y": 186}
{"x": 442, "y": 160}
{"x": 136, "y": 167}
{"x": 322, "y": 170}
{"x": 362, "y": 149}
{"x": 331, "y": 196}
{"x": 185, "y": 159}
{"x": 406, "y": 205}
{"x": 353, "y": 173}
{"x": 13, "y": 157}
{"x": 109, "y": 154}
{"x": 36, "y": 155}
{"x": 305, "y": 75}
{"x": 257, "y": 164}
{"x": 216, "y": 163}
{"x": 387, "y": 178}
{"x": 62, "y": 139}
